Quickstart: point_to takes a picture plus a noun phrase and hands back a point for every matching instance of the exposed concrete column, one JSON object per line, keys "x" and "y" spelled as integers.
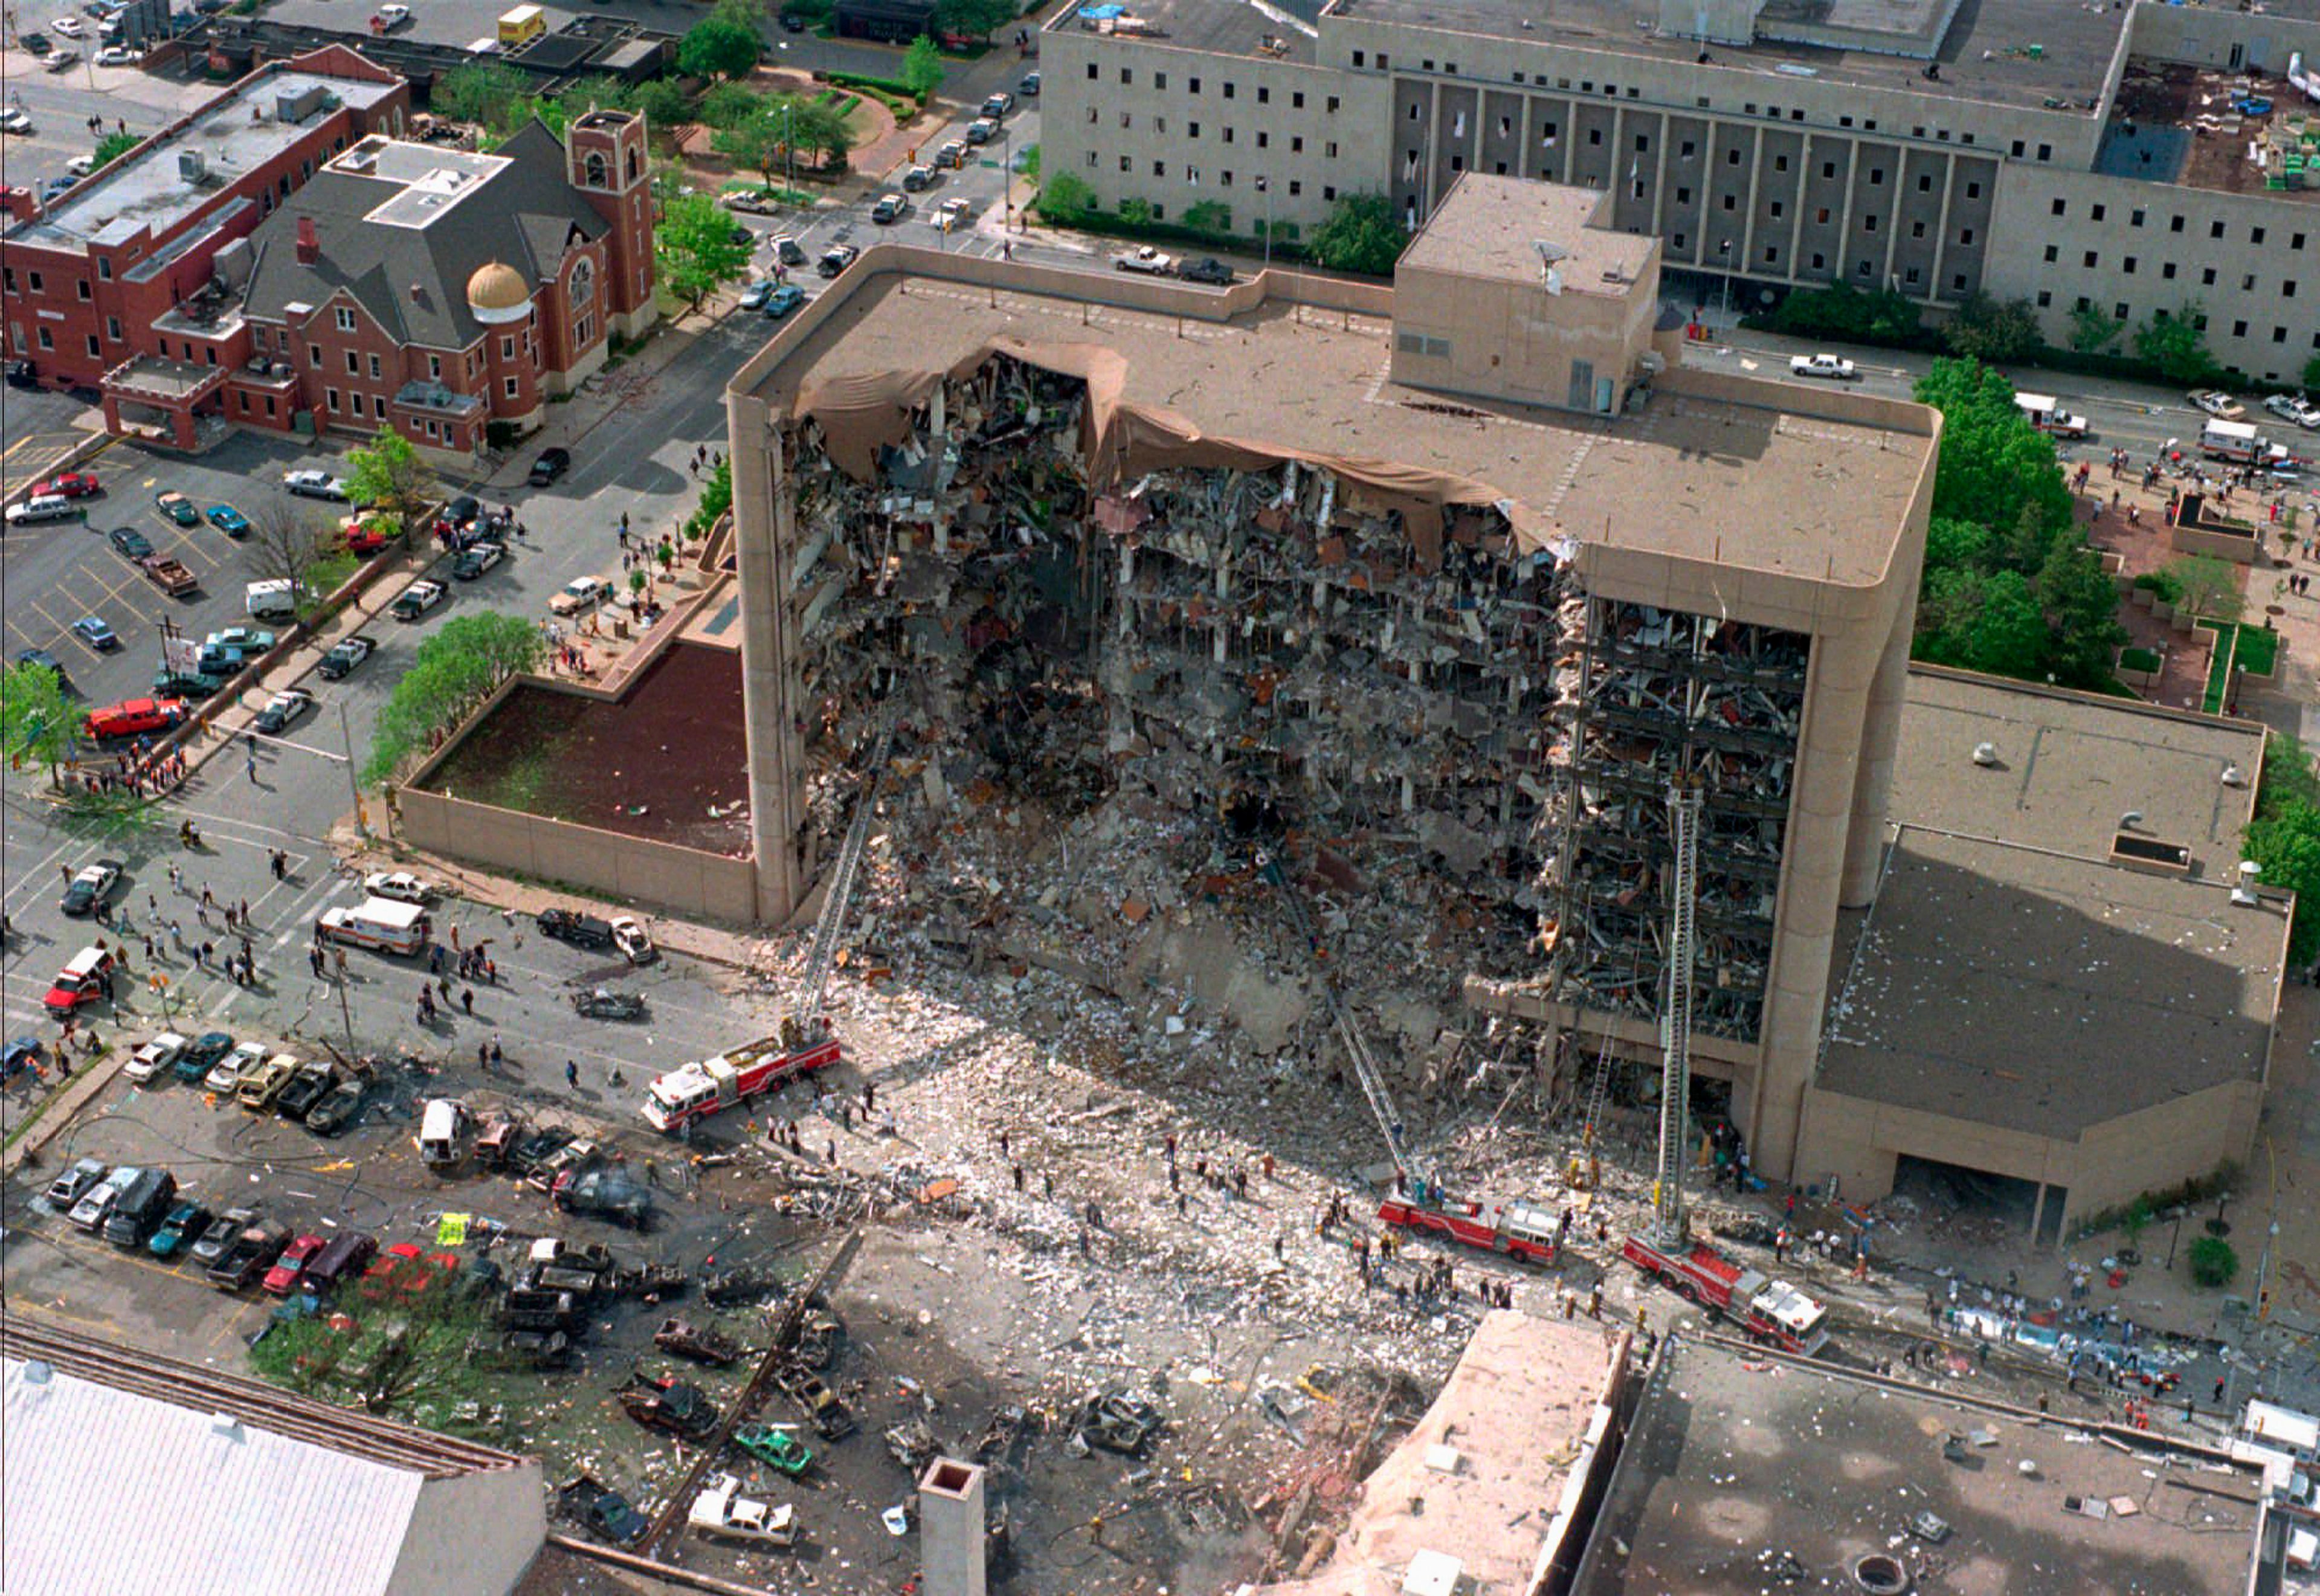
{"x": 951, "y": 1528}
{"x": 760, "y": 540}
{"x": 1881, "y": 742}
{"x": 1795, "y": 987}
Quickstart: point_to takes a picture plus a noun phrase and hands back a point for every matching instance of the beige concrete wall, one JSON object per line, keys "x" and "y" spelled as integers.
{"x": 473, "y": 1532}
{"x": 1499, "y": 339}
{"x": 2205, "y": 36}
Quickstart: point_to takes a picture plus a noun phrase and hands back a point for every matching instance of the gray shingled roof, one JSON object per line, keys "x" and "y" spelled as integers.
{"x": 524, "y": 214}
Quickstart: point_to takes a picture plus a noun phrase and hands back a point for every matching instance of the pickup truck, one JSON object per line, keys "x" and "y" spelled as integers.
{"x": 169, "y": 576}
{"x": 1833, "y": 367}
{"x": 349, "y": 653}
{"x": 250, "y": 1254}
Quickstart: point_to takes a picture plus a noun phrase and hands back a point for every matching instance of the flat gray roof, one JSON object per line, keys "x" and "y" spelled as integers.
{"x": 1488, "y": 226}
{"x": 1737, "y": 1459}
{"x": 1749, "y": 485}
{"x": 1216, "y": 27}
{"x": 235, "y": 134}
{"x": 2008, "y": 971}
{"x": 2075, "y": 41}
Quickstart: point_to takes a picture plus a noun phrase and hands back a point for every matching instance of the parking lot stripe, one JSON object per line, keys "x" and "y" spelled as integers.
{"x": 63, "y": 631}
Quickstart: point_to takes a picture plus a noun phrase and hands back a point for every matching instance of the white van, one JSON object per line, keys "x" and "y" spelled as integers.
{"x": 274, "y": 600}
{"x": 442, "y": 1132}
{"x": 379, "y": 922}
{"x": 43, "y": 507}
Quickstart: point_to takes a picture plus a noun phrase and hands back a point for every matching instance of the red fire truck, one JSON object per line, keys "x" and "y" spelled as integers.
{"x": 1771, "y": 1311}
{"x": 712, "y": 1085}
{"x": 1518, "y": 1230}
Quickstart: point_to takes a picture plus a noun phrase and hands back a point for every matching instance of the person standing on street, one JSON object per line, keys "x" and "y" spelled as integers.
{"x": 571, "y": 1074}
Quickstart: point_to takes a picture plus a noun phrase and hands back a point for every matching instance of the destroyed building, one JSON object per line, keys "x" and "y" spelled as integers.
{"x": 1432, "y": 592}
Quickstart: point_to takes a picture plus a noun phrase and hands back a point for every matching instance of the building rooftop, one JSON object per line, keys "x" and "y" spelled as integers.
{"x": 1747, "y": 1472}
{"x": 2010, "y": 971}
{"x": 234, "y": 135}
{"x": 1492, "y": 227}
{"x": 2175, "y": 123}
{"x": 1984, "y": 52}
{"x": 1752, "y": 485}
{"x": 1282, "y": 31}
{"x": 280, "y": 1493}
{"x": 1516, "y": 1412}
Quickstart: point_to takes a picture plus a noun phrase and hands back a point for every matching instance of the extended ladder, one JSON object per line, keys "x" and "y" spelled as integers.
{"x": 1365, "y": 1069}
{"x": 832, "y": 923}
{"x": 1676, "y": 1016}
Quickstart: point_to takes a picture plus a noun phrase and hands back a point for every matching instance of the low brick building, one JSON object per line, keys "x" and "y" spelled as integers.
{"x": 283, "y": 259}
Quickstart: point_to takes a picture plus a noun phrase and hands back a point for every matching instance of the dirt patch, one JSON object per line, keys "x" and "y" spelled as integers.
{"x": 668, "y": 762}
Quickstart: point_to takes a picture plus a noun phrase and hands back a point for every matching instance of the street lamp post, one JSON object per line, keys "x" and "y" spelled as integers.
{"x": 1724, "y": 253}
{"x": 1264, "y": 187}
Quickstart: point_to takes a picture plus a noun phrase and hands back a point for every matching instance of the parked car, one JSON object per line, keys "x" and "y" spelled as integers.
{"x": 197, "y": 1057}
{"x": 982, "y": 131}
{"x": 177, "y": 508}
{"x": 15, "y": 121}
{"x": 251, "y": 641}
{"x": 753, "y": 297}
{"x": 774, "y": 1446}
{"x": 70, "y": 485}
{"x": 837, "y": 259}
{"x": 343, "y": 1258}
{"x": 338, "y": 1109}
{"x": 582, "y": 593}
{"x": 285, "y": 710}
{"x": 141, "y": 1207}
{"x": 600, "y": 1005}
{"x": 551, "y": 464}
{"x": 365, "y": 535}
{"x": 1028, "y": 86}
{"x": 918, "y": 179}
{"x": 229, "y": 520}
{"x": 954, "y": 213}
{"x": 677, "y": 1406}
{"x": 597, "y": 1190}
{"x": 1208, "y": 269}
{"x": 315, "y": 485}
{"x": 193, "y": 684}
{"x": 405, "y": 1270}
{"x": 128, "y": 543}
{"x": 416, "y": 600}
{"x": 181, "y": 1227}
{"x": 401, "y": 886}
{"x": 96, "y": 1204}
{"x": 581, "y": 930}
{"x": 345, "y": 655}
{"x": 722, "y": 1511}
{"x": 477, "y": 559}
{"x": 156, "y": 1055}
{"x": 282, "y": 1279}
{"x": 92, "y": 884}
{"x": 606, "y": 1513}
{"x": 248, "y": 1255}
{"x": 44, "y": 660}
{"x": 889, "y": 208}
{"x": 1834, "y": 368}
{"x": 226, "y": 1074}
{"x": 2294, "y": 407}
{"x": 75, "y": 1183}
{"x": 257, "y": 1089}
{"x": 86, "y": 976}
{"x": 629, "y": 937}
{"x": 952, "y": 156}
{"x": 783, "y": 300}
{"x": 1144, "y": 258}
{"x": 218, "y": 1235}
{"x": 2216, "y": 403}
{"x": 996, "y": 107}
{"x": 96, "y": 634}
{"x": 787, "y": 250}
{"x": 308, "y": 1087}
{"x": 43, "y": 507}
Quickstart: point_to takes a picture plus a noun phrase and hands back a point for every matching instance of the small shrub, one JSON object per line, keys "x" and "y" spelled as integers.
{"x": 2163, "y": 584}
{"x": 2214, "y": 1263}
{"x": 2146, "y": 660}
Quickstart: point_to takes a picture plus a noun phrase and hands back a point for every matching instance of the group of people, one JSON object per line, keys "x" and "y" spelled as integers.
{"x": 137, "y": 771}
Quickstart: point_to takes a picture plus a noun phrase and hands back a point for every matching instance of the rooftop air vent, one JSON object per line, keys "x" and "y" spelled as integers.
{"x": 2148, "y": 852}
{"x": 226, "y": 1425}
{"x": 193, "y": 166}
{"x": 37, "y": 1372}
{"x": 2232, "y": 777}
{"x": 1985, "y": 754}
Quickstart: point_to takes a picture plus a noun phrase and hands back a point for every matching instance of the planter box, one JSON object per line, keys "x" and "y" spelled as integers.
{"x": 2142, "y": 598}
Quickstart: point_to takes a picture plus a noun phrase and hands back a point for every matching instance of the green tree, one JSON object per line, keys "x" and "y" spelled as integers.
{"x": 822, "y": 133}
{"x": 2174, "y": 344}
{"x": 2287, "y": 846}
{"x": 1360, "y": 234}
{"x": 922, "y": 68}
{"x": 112, "y": 147}
{"x": 1846, "y": 314}
{"x": 2289, "y": 779}
{"x": 2312, "y": 376}
{"x": 975, "y": 19}
{"x": 2214, "y": 1263}
{"x": 455, "y": 670}
{"x": 695, "y": 249}
{"x": 409, "y": 1353}
{"x": 37, "y": 720}
{"x": 2209, "y": 586}
{"x": 477, "y": 91}
{"x": 661, "y": 100}
{"x": 1993, "y": 466}
{"x": 1066, "y": 199}
{"x": 759, "y": 141}
{"x": 2080, "y": 603}
{"x": 388, "y": 473}
{"x": 1136, "y": 212}
{"x": 718, "y": 47}
{"x": 1998, "y": 331}
{"x": 730, "y": 104}
{"x": 1208, "y": 216}
{"x": 1027, "y": 161}
{"x": 2091, "y": 331}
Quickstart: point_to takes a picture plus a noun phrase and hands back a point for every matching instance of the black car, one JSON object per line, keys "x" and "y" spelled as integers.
{"x": 463, "y": 511}
{"x": 185, "y": 684}
{"x": 307, "y": 1088}
{"x": 45, "y": 660}
{"x": 581, "y": 930}
{"x": 131, "y": 543}
{"x": 34, "y": 43}
{"x": 21, "y": 375}
{"x": 552, "y": 464}
{"x": 1209, "y": 269}
{"x": 837, "y": 259}
{"x": 336, "y": 1110}
{"x": 91, "y": 885}
{"x": 791, "y": 22}
{"x": 477, "y": 559}
{"x": 606, "y": 1513}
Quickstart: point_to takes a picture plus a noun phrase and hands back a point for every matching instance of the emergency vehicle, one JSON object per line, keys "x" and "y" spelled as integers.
{"x": 1770, "y": 1311}
{"x": 1518, "y": 1229}
{"x": 383, "y": 923}
{"x": 712, "y": 1085}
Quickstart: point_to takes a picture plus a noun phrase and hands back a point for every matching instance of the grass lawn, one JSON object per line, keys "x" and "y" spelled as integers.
{"x": 2255, "y": 649}
{"x": 2140, "y": 660}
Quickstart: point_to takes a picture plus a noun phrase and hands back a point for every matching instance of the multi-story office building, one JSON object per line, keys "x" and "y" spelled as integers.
{"x": 2062, "y": 153}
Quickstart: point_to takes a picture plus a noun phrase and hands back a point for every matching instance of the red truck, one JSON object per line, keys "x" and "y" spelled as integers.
{"x": 1518, "y": 1230}
{"x": 710, "y": 1086}
{"x": 1771, "y": 1311}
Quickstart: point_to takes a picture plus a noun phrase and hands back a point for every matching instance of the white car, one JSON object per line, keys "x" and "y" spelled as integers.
{"x": 630, "y": 937}
{"x": 2292, "y": 407}
{"x": 154, "y": 1056}
{"x": 1144, "y": 258}
{"x": 70, "y": 26}
{"x": 314, "y": 484}
{"x": 582, "y": 593}
{"x": 226, "y": 1073}
{"x": 14, "y": 120}
{"x": 952, "y": 212}
{"x": 392, "y": 16}
{"x": 721, "y": 1509}
{"x": 1833, "y": 367}
{"x": 81, "y": 165}
{"x": 401, "y": 886}
{"x": 2217, "y": 404}
{"x": 119, "y": 55}
{"x": 416, "y": 600}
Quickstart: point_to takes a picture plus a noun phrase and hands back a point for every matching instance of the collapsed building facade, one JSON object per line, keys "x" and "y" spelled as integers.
{"x": 1431, "y": 593}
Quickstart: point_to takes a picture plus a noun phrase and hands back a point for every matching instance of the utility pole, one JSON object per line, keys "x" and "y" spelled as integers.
{"x": 362, "y": 820}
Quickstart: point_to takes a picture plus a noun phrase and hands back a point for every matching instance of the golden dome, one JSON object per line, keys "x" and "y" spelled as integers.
{"x": 496, "y": 287}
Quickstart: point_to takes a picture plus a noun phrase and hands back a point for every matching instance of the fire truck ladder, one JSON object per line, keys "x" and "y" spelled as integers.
{"x": 1676, "y": 1016}
{"x": 1365, "y": 1069}
{"x": 831, "y": 926}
